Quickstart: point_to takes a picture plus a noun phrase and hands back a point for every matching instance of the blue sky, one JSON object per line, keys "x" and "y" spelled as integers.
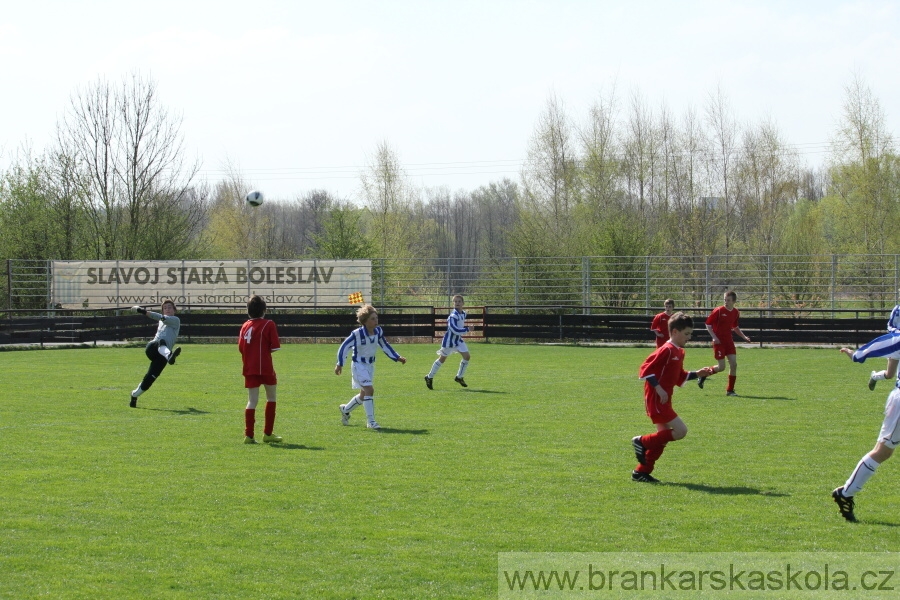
{"x": 297, "y": 95}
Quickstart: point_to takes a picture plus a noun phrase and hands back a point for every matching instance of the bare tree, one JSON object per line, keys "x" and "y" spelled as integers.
{"x": 641, "y": 152}
{"x": 766, "y": 185}
{"x": 863, "y": 170}
{"x": 392, "y": 204}
{"x": 550, "y": 185}
{"x": 131, "y": 153}
{"x": 601, "y": 163}
{"x": 724, "y": 137}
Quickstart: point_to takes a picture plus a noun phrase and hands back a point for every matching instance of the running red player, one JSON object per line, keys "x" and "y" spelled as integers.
{"x": 661, "y": 372}
{"x": 720, "y": 324}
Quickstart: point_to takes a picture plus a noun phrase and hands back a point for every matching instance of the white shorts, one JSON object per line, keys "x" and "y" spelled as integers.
{"x": 460, "y": 347}
{"x": 890, "y": 427}
{"x": 362, "y": 374}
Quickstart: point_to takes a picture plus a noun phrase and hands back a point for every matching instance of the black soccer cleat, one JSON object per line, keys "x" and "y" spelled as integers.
{"x": 845, "y": 504}
{"x": 700, "y": 382}
{"x": 133, "y": 403}
{"x": 643, "y": 477}
{"x": 640, "y": 453}
{"x": 174, "y": 354}
{"x": 429, "y": 381}
{"x": 460, "y": 381}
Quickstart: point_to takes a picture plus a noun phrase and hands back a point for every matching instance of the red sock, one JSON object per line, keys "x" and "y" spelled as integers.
{"x": 731, "y": 379}
{"x": 249, "y": 421}
{"x": 658, "y": 440}
{"x": 654, "y": 444}
{"x": 270, "y": 418}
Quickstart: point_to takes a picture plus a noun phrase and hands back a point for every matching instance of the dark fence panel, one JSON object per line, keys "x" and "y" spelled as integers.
{"x": 499, "y": 323}
{"x": 418, "y": 322}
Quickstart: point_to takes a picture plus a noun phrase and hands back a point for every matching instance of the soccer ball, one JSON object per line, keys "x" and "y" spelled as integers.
{"x": 254, "y": 198}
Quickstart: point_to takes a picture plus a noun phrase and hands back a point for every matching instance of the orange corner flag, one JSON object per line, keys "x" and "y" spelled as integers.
{"x": 356, "y": 298}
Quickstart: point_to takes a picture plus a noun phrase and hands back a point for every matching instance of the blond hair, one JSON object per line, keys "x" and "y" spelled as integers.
{"x": 364, "y": 312}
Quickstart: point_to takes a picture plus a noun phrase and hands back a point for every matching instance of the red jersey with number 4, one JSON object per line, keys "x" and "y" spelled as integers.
{"x": 259, "y": 339}
{"x": 723, "y": 321}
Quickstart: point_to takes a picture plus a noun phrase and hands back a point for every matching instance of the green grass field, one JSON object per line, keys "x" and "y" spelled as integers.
{"x": 100, "y": 500}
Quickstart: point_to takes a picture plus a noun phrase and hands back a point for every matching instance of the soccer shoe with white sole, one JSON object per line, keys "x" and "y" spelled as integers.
{"x": 731, "y": 393}
{"x": 173, "y": 355}
{"x": 640, "y": 453}
{"x": 373, "y": 425}
{"x": 643, "y": 477}
{"x": 700, "y": 382}
{"x": 845, "y": 504}
{"x": 460, "y": 381}
{"x": 345, "y": 416}
{"x": 872, "y": 381}
{"x": 249, "y": 440}
{"x": 429, "y": 382}
{"x": 271, "y": 439}
{"x": 133, "y": 403}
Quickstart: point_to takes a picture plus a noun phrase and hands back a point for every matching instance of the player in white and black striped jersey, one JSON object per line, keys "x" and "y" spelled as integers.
{"x": 364, "y": 343}
{"x": 887, "y": 345}
{"x": 452, "y": 342}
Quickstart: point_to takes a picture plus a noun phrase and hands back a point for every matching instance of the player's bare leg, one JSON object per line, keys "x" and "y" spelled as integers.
{"x": 718, "y": 368}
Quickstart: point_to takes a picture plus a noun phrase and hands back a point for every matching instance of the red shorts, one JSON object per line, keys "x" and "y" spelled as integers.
{"x": 720, "y": 351}
{"x": 254, "y": 381}
{"x": 657, "y": 411}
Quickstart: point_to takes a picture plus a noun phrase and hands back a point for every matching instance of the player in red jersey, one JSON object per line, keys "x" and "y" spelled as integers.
{"x": 258, "y": 340}
{"x": 660, "y": 323}
{"x": 720, "y": 323}
{"x": 661, "y": 372}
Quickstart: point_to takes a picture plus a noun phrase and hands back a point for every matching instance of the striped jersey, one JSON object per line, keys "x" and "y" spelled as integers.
{"x": 456, "y": 326}
{"x": 893, "y": 324}
{"x": 167, "y": 329}
{"x": 884, "y": 345}
{"x": 364, "y": 346}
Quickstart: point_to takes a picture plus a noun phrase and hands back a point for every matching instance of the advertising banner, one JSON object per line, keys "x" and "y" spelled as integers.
{"x": 111, "y": 284}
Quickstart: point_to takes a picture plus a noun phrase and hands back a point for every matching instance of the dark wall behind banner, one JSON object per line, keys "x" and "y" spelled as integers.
{"x": 495, "y": 323}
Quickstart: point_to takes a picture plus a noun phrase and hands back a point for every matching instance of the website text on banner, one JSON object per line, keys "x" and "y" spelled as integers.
{"x": 112, "y": 284}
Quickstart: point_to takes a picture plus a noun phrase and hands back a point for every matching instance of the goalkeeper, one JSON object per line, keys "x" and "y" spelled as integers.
{"x": 161, "y": 349}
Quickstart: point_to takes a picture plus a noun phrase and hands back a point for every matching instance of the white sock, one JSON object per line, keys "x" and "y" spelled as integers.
{"x": 434, "y": 369}
{"x": 137, "y": 392}
{"x": 879, "y": 375}
{"x": 462, "y": 368}
{"x": 165, "y": 352}
{"x": 354, "y": 402}
{"x": 864, "y": 469}
{"x": 369, "y": 405}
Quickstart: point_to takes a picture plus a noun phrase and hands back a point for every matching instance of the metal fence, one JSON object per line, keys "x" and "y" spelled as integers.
{"x": 799, "y": 283}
